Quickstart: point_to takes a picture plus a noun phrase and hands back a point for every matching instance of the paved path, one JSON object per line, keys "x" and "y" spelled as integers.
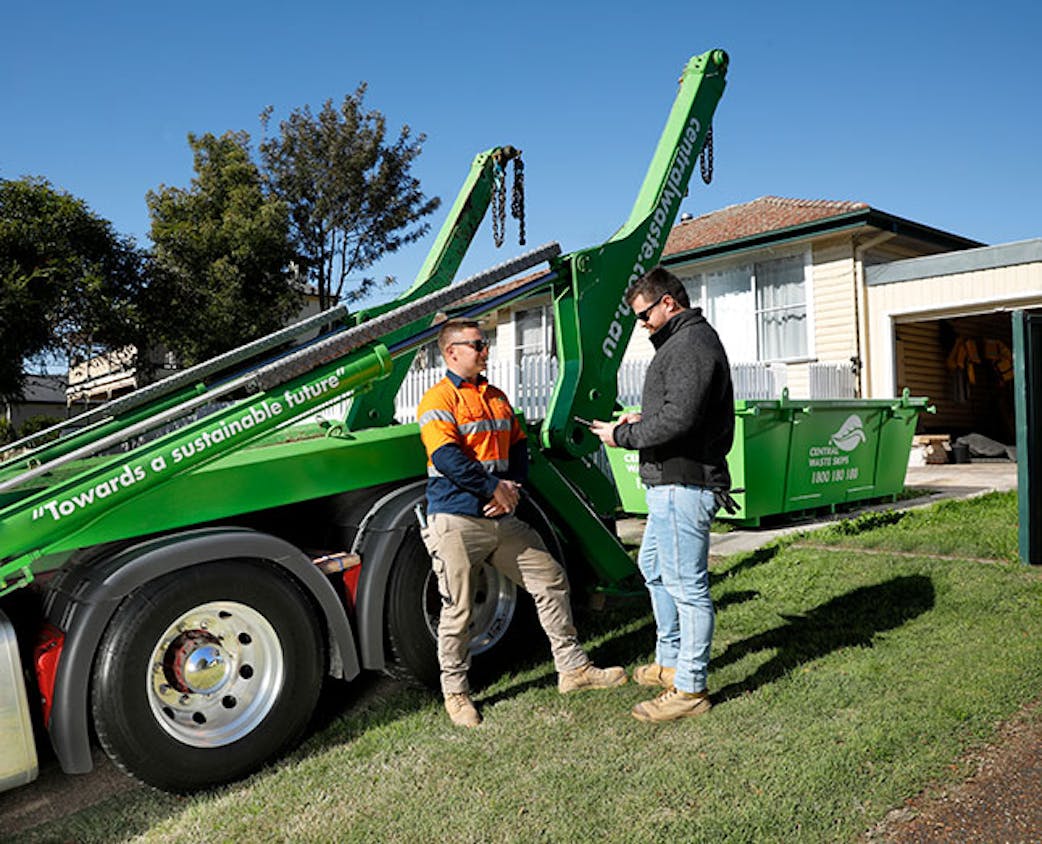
{"x": 950, "y": 480}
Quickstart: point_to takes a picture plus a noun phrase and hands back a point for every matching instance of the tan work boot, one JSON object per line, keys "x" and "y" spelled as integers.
{"x": 671, "y": 705}
{"x": 655, "y": 675}
{"x": 590, "y": 677}
{"x": 461, "y": 710}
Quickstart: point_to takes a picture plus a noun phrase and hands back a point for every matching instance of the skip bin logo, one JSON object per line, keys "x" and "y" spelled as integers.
{"x": 850, "y": 434}
{"x": 832, "y": 463}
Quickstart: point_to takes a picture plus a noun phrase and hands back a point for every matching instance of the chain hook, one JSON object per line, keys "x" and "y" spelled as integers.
{"x": 705, "y": 158}
{"x": 499, "y": 198}
{"x": 517, "y": 198}
{"x": 501, "y": 158}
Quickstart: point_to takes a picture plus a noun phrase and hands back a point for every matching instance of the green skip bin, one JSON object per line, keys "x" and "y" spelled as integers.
{"x": 803, "y": 455}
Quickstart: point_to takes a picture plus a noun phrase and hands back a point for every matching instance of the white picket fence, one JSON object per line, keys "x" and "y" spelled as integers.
{"x": 832, "y": 381}
{"x": 529, "y": 383}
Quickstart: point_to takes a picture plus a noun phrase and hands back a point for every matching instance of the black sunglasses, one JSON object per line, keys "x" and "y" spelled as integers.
{"x": 643, "y": 315}
{"x": 477, "y": 345}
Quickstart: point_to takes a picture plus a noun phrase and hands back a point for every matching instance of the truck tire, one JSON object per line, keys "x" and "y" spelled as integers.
{"x": 504, "y": 621}
{"x": 204, "y": 674}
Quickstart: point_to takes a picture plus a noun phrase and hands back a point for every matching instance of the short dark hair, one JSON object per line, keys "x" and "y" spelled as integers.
{"x": 450, "y": 329}
{"x": 656, "y": 283}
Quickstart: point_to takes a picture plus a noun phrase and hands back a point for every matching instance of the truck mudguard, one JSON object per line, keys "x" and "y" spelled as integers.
{"x": 379, "y": 537}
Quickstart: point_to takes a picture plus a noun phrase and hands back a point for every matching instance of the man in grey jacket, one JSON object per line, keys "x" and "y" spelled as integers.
{"x": 683, "y": 434}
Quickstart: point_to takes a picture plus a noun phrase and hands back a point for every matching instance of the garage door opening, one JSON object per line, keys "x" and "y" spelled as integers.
{"x": 964, "y": 364}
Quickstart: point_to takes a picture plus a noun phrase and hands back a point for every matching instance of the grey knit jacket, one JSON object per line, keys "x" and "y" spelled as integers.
{"x": 687, "y": 407}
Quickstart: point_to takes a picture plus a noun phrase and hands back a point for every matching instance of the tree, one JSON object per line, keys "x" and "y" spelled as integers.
{"x": 351, "y": 196}
{"x": 222, "y": 254}
{"x": 69, "y": 284}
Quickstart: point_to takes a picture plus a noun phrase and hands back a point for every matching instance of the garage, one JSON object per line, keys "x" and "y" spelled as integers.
{"x": 942, "y": 327}
{"x": 964, "y": 364}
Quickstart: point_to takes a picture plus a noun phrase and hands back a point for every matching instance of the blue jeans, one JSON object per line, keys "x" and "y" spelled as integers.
{"x": 674, "y": 559}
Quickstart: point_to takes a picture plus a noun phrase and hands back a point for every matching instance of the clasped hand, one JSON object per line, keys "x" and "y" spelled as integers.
{"x": 504, "y": 499}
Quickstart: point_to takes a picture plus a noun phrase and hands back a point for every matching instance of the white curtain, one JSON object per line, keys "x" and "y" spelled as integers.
{"x": 781, "y": 308}
{"x": 729, "y": 298}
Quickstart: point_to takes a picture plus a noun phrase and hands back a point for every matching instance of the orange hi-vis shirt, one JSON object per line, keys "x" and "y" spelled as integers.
{"x": 473, "y": 440}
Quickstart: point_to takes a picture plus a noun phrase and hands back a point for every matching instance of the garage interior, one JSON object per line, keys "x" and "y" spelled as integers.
{"x": 964, "y": 365}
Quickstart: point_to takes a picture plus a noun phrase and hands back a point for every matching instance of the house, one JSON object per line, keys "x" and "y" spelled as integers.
{"x": 874, "y": 301}
{"x": 780, "y": 279}
{"x": 42, "y": 395}
{"x": 783, "y": 280}
{"x": 904, "y": 304}
{"x": 104, "y": 377}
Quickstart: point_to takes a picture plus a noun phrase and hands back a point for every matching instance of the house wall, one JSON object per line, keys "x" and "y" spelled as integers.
{"x": 639, "y": 347}
{"x": 833, "y": 291}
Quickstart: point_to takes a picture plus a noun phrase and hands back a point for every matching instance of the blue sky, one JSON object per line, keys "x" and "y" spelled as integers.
{"x": 925, "y": 110}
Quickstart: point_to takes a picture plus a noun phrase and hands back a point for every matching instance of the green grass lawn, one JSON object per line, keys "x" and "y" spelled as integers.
{"x": 852, "y": 667}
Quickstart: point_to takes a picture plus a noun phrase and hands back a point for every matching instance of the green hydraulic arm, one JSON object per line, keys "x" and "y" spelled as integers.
{"x": 592, "y": 321}
{"x": 375, "y": 407}
{"x": 94, "y": 428}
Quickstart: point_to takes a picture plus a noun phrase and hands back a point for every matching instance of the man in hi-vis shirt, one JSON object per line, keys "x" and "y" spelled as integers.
{"x": 477, "y": 460}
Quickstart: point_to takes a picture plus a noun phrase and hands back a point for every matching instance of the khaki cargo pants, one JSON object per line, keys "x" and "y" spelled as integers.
{"x": 458, "y": 546}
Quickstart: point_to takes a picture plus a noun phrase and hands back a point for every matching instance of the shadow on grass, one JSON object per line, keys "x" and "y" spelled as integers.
{"x": 850, "y": 620}
{"x": 732, "y": 598}
{"x": 744, "y": 561}
{"x": 630, "y": 644}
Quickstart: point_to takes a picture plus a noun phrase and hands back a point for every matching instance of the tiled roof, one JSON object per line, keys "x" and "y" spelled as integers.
{"x": 766, "y": 214}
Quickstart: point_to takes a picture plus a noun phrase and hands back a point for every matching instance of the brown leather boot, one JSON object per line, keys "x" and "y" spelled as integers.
{"x": 671, "y": 705}
{"x": 654, "y": 675}
{"x": 461, "y": 710}
{"x": 590, "y": 677}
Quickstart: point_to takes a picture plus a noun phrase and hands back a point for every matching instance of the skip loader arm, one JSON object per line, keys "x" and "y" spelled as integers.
{"x": 284, "y": 389}
{"x": 375, "y": 407}
{"x": 593, "y": 323}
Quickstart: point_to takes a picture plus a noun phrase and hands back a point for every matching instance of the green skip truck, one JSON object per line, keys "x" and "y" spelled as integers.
{"x": 181, "y": 572}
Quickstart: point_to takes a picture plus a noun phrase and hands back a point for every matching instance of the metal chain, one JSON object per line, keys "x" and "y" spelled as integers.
{"x": 499, "y": 203}
{"x": 517, "y": 198}
{"x": 705, "y": 158}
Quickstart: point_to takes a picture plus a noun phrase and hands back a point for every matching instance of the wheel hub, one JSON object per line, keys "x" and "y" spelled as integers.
{"x": 215, "y": 674}
{"x": 494, "y": 602}
{"x": 197, "y": 663}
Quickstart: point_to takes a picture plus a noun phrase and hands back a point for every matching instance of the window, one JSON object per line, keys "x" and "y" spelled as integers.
{"x": 770, "y": 295}
{"x": 534, "y": 331}
{"x": 781, "y": 308}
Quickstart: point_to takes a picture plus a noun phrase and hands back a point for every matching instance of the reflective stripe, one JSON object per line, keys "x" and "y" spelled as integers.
{"x": 483, "y": 425}
{"x": 437, "y": 414}
{"x": 488, "y": 465}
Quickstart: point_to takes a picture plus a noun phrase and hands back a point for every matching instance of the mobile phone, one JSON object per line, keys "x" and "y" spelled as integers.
{"x": 582, "y": 421}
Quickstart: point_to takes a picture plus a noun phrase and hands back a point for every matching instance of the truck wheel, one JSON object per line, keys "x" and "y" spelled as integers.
{"x": 504, "y": 623}
{"x": 204, "y": 674}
